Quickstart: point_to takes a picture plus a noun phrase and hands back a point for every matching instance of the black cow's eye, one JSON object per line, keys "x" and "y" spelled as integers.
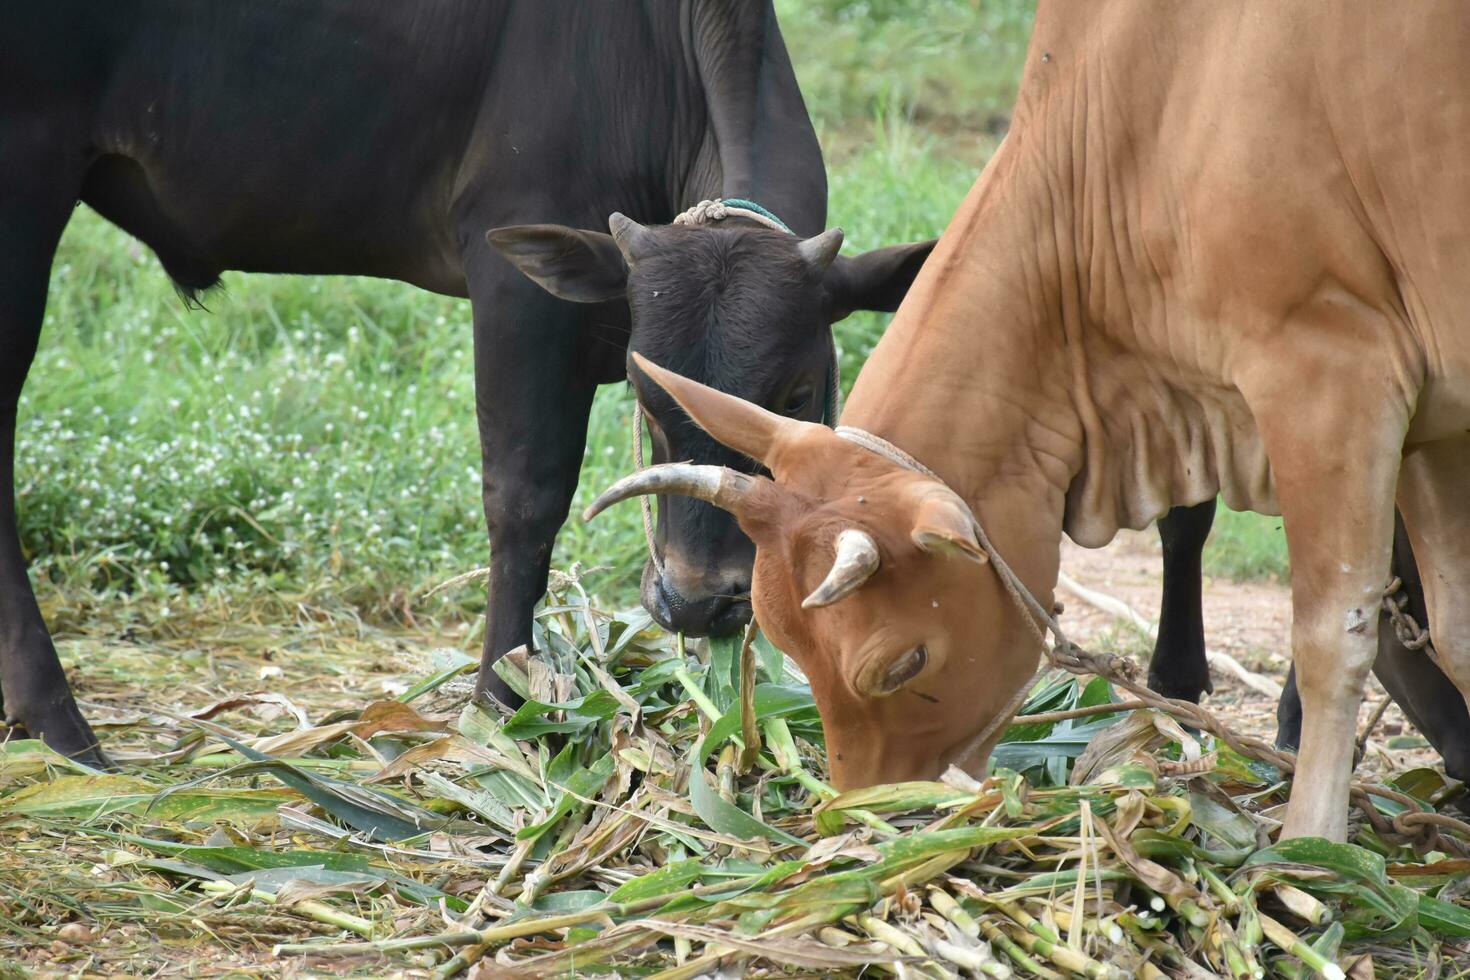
{"x": 798, "y": 401}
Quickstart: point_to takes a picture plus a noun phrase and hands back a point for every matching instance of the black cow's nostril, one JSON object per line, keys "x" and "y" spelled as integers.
{"x": 720, "y": 613}
{"x": 662, "y": 609}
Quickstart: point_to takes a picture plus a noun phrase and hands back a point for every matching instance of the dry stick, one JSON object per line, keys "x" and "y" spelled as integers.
{"x": 1120, "y": 609}
{"x": 1373, "y": 721}
{"x": 1042, "y": 939}
{"x": 524, "y": 927}
{"x": 749, "y": 723}
{"x": 1006, "y": 944}
{"x": 308, "y": 907}
{"x": 1048, "y": 717}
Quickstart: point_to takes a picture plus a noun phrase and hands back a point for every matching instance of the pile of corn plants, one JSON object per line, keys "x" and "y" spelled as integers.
{"x": 660, "y": 811}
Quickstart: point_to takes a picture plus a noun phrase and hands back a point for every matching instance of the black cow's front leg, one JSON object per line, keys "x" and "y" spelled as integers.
{"x": 533, "y": 393}
{"x": 1178, "y": 668}
{"x": 34, "y": 205}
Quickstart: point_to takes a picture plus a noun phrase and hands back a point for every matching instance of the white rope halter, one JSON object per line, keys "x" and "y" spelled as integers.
{"x": 718, "y": 209}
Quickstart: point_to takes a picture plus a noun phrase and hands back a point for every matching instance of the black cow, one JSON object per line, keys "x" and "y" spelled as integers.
{"x": 1412, "y": 679}
{"x": 385, "y": 138}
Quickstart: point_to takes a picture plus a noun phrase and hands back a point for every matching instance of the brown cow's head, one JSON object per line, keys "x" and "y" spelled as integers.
{"x": 745, "y": 310}
{"x": 871, "y": 577}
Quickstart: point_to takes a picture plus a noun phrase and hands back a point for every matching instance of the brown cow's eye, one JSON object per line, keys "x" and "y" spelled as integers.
{"x": 905, "y": 669}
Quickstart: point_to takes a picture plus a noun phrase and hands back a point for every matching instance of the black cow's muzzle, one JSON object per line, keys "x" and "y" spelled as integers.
{"x": 718, "y": 611}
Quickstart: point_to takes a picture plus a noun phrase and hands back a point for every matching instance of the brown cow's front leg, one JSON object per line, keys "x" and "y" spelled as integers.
{"x": 1421, "y": 690}
{"x": 1335, "y": 468}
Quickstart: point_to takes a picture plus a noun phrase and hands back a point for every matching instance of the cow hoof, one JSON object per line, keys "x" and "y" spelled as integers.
{"x": 65, "y": 731}
{"x": 496, "y": 695}
{"x": 1171, "y": 688}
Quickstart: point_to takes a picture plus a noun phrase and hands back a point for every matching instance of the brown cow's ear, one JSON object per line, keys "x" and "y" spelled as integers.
{"x": 876, "y": 280}
{"x": 737, "y": 423}
{"x": 575, "y": 265}
{"x": 943, "y": 526}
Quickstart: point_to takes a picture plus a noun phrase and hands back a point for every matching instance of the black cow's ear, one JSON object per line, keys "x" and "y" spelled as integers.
{"x": 571, "y": 264}
{"x": 875, "y": 280}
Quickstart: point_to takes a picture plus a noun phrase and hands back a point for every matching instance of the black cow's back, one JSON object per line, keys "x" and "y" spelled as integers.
{"x": 343, "y": 136}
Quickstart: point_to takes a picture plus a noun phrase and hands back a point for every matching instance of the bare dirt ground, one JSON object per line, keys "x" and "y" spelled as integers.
{"x": 1250, "y": 621}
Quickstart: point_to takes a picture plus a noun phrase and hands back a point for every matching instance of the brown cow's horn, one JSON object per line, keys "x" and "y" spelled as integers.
{"x": 719, "y": 485}
{"x": 856, "y": 561}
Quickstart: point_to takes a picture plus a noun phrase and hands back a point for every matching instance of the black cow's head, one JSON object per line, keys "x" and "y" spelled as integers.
{"x": 743, "y": 309}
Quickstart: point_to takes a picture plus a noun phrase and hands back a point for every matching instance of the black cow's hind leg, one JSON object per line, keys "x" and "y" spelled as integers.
{"x": 1178, "y": 668}
{"x": 35, "y": 202}
{"x": 1289, "y": 713}
{"x": 533, "y": 396}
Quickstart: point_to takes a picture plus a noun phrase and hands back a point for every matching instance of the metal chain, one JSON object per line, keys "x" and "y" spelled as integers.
{"x": 1418, "y": 826}
{"x": 1405, "y": 626}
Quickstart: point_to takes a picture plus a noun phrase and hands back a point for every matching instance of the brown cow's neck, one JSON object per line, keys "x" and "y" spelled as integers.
{"x": 1002, "y": 369}
{"x": 1045, "y": 372}
{"x": 971, "y": 378}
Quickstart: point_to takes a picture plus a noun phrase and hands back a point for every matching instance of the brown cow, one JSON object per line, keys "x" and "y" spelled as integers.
{"x": 1224, "y": 249}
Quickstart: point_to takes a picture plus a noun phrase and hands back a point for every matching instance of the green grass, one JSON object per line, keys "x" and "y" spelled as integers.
{"x": 1247, "y": 546}
{"x": 952, "y": 65}
{"x": 321, "y": 430}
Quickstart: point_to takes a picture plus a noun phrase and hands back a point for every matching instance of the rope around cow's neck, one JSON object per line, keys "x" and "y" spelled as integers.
{"x": 1420, "y": 826}
{"x": 704, "y": 213}
{"x": 718, "y": 209}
